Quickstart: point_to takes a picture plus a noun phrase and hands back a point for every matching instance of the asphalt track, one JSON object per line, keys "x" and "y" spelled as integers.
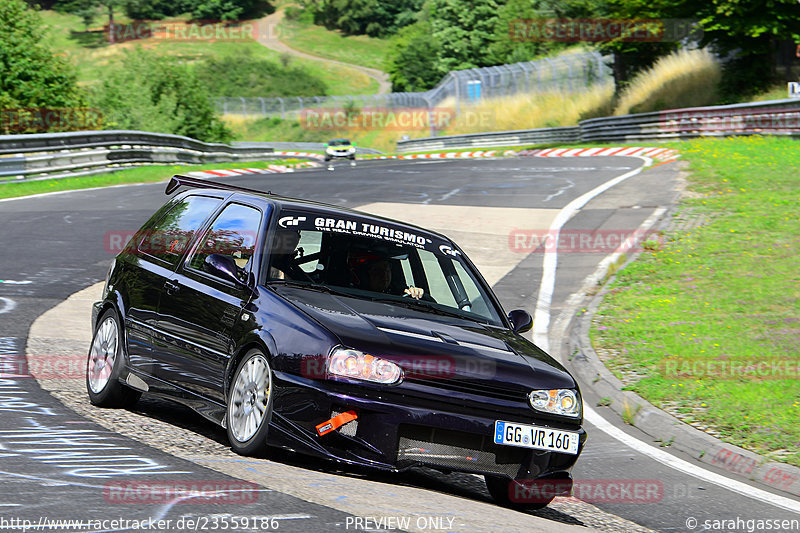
{"x": 56, "y": 245}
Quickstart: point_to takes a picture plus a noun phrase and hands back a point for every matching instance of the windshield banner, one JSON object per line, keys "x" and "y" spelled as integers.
{"x": 364, "y": 227}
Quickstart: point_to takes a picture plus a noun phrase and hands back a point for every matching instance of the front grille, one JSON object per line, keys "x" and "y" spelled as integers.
{"x": 456, "y": 450}
{"x": 479, "y": 388}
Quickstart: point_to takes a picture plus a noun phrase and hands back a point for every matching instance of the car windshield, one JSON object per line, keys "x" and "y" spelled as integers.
{"x": 375, "y": 260}
{"x": 339, "y": 142}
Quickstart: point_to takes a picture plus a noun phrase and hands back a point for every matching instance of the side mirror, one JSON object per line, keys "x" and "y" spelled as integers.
{"x": 521, "y": 321}
{"x": 224, "y": 267}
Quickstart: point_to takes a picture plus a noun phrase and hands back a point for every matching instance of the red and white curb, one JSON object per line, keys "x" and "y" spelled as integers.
{"x": 665, "y": 155}
{"x": 456, "y": 155}
{"x": 219, "y": 173}
{"x": 446, "y": 155}
{"x": 309, "y": 155}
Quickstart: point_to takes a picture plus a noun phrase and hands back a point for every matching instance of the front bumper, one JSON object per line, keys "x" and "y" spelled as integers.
{"x": 335, "y": 154}
{"x": 397, "y": 435}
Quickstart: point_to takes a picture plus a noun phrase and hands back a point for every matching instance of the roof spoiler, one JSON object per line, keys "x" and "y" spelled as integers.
{"x": 179, "y": 180}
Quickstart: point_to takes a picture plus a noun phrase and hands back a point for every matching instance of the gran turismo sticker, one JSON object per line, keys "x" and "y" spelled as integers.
{"x": 363, "y": 227}
{"x": 448, "y": 250}
{"x": 289, "y": 222}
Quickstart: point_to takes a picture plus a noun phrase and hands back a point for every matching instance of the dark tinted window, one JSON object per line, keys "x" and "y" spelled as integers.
{"x": 233, "y": 233}
{"x": 171, "y": 235}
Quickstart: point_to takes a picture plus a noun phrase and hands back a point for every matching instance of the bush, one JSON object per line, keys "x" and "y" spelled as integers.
{"x": 148, "y": 92}
{"x": 248, "y": 76}
{"x": 229, "y": 9}
{"x": 685, "y": 78}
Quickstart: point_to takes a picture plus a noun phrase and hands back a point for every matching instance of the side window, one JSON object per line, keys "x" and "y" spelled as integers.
{"x": 170, "y": 236}
{"x": 234, "y": 233}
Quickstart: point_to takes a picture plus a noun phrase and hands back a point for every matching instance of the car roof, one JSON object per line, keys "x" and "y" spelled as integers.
{"x": 283, "y": 202}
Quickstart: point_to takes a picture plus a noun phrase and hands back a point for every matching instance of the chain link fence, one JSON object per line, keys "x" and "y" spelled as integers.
{"x": 565, "y": 73}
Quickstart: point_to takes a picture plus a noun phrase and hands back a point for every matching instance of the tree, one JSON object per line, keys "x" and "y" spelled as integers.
{"x": 749, "y": 33}
{"x": 464, "y": 29}
{"x": 86, "y": 9}
{"x": 228, "y": 9}
{"x": 377, "y": 18}
{"x": 507, "y": 46}
{"x": 412, "y": 62}
{"x": 148, "y": 92}
{"x": 30, "y": 75}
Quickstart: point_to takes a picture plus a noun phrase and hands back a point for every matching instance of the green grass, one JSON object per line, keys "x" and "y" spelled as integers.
{"x": 725, "y": 292}
{"x": 778, "y": 92}
{"x": 362, "y": 50}
{"x": 142, "y": 174}
{"x": 92, "y": 54}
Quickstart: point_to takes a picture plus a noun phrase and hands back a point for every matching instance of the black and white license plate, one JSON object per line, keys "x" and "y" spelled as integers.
{"x": 538, "y": 438}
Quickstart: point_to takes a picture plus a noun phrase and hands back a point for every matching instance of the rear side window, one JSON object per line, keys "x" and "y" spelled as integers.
{"x": 170, "y": 236}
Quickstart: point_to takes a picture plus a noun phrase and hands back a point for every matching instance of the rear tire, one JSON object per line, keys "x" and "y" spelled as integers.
{"x": 105, "y": 364}
{"x": 250, "y": 404}
{"x": 501, "y": 488}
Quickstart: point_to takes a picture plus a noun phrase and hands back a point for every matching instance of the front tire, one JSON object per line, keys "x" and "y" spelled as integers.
{"x": 105, "y": 364}
{"x": 250, "y": 404}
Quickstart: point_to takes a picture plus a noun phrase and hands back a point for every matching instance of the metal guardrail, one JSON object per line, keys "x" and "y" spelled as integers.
{"x": 776, "y": 117}
{"x": 498, "y": 138}
{"x": 299, "y": 146}
{"x": 51, "y": 155}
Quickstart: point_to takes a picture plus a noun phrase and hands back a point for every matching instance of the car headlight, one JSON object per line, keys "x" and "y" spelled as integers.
{"x": 351, "y": 149}
{"x": 564, "y": 402}
{"x": 358, "y": 365}
{"x": 329, "y": 150}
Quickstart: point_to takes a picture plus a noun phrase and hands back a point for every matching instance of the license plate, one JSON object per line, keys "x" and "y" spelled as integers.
{"x": 538, "y": 438}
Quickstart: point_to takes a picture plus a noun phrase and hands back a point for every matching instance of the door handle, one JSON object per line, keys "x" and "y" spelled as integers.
{"x": 172, "y": 287}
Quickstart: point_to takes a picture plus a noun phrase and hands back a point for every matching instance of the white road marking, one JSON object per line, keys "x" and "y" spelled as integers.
{"x": 594, "y": 418}
{"x": 8, "y": 305}
{"x": 12, "y": 282}
{"x": 570, "y": 184}
{"x": 541, "y": 317}
{"x": 448, "y": 195}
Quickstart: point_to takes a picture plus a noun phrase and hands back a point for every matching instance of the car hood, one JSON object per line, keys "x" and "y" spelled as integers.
{"x": 431, "y": 346}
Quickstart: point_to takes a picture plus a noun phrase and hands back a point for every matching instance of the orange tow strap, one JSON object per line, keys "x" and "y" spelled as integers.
{"x": 336, "y": 422}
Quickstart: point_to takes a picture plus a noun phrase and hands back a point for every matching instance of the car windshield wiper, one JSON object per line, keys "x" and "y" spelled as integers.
{"x": 306, "y": 285}
{"x": 421, "y": 305}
